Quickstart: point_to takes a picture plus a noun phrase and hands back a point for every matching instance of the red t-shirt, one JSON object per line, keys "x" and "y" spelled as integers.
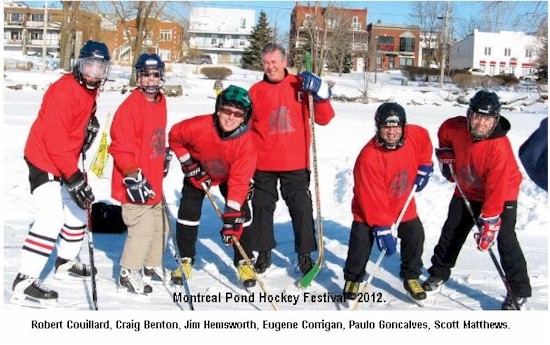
{"x": 280, "y": 123}
{"x": 384, "y": 178}
{"x": 486, "y": 170}
{"x": 57, "y": 135}
{"x": 138, "y": 140}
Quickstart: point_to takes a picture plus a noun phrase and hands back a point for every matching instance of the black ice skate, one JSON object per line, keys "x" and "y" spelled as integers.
{"x": 433, "y": 285}
{"x": 72, "y": 269}
{"x": 133, "y": 282}
{"x": 415, "y": 291}
{"x": 30, "y": 292}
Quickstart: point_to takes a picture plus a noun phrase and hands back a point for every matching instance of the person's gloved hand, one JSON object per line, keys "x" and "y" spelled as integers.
{"x": 384, "y": 239}
{"x": 79, "y": 189}
{"x": 490, "y": 227}
{"x": 423, "y": 176}
{"x": 317, "y": 86}
{"x": 232, "y": 226}
{"x": 167, "y": 159}
{"x": 91, "y": 132}
{"x": 138, "y": 189}
{"x": 195, "y": 174}
{"x": 446, "y": 158}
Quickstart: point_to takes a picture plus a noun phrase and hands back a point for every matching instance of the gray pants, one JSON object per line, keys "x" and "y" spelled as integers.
{"x": 148, "y": 231}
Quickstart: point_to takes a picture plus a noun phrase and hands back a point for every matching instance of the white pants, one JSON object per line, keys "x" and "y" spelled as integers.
{"x": 57, "y": 216}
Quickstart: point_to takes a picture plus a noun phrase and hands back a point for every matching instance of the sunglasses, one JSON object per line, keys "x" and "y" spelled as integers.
{"x": 238, "y": 113}
{"x": 150, "y": 74}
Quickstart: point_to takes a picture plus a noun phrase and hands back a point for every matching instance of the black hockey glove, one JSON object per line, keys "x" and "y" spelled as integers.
{"x": 167, "y": 159}
{"x": 138, "y": 189}
{"x": 195, "y": 174}
{"x": 91, "y": 133}
{"x": 79, "y": 189}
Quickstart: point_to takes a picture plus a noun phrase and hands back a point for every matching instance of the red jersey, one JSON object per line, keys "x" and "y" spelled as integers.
{"x": 57, "y": 135}
{"x": 384, "y": 178}
{"x": 486, "y": 170}
{"x": 138, "y": 140}
{"x": 280, "y": 123}
{"x": 230, "y": 160}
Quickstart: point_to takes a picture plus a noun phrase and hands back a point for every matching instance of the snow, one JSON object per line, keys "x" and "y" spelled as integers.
{"x": 474, "y": 285}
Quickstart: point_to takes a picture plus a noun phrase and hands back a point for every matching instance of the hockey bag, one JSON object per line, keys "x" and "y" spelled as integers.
{"x": 107, "y": 219}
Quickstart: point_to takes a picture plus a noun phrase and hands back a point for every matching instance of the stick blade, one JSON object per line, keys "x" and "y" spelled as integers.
{"x": 310, "y": 276}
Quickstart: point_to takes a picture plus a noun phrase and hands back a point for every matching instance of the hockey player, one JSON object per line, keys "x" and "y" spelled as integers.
{"x": 216, "y": 149}
{"x": 533, "y": 154}
{"x": 65, "y": 127}
{"x": 396, "y": 158}
{"x": 138, "y": 142}
{"x": 281, "y": 128}
{"x": 475, "y": 151}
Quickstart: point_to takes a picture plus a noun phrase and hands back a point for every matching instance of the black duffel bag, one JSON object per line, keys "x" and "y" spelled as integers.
{"x": 107, "y": 218}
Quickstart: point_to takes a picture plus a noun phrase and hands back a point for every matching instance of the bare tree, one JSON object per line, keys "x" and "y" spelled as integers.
{"x": 429, "y": 15}
{"x": 68, "y": 33}
{"x": 339, "y": 23}
{"x": 316, "y": 34}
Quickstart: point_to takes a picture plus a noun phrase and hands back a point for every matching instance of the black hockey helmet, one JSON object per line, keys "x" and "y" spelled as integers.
{"x": 486, "y": 104}
{"x": 93, "y": 65}
{"x": 390, "y": 114}
{"x": 144, "y": 64}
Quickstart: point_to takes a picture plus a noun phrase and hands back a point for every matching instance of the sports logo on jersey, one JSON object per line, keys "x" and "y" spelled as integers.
{"x": 280, "y": 121}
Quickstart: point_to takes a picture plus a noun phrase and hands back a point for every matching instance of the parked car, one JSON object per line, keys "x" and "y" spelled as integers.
{"x": 529, "y": 77}
{"x": 476, "y": 71}
{"x": 198, "y": 60}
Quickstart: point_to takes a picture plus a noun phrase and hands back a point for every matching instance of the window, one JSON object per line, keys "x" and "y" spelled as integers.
{"x": 307, "y": 20}
{"x": 16, "y": 17}
{"x": 406, "y": 44}
{"x": 507, "y": 51}
{"x": 166, "y": 35}
{"x": 164, "y": 55}
{"x": 243, "y": 23}
{"x": 37, "y": 17}
{"x": 36, "y": 35}
{"x": 214, "y": 41}
{"x": 405, "y": 61}
{"x": 355, "y": 23}
{"x": 331, "y": 23}
{"x": 528, "y": 53}
{"x": 487, "y": 51}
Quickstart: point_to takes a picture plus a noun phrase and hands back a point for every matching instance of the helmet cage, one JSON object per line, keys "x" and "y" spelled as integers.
{"x": 390, "y": 115}
{"x": 470, "y": 114}
{"x": 146, "y": 64}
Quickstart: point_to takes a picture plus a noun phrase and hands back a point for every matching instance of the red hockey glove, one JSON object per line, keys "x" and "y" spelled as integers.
{"x": 446, "y": 158}
{"x": 490, "y": 227}
{"x": 232, "y": 226}
{"x": 195, "y": 174}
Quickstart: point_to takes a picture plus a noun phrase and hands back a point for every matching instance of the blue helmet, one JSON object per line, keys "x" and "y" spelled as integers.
{"x": 144, "y": 64}
{"x": 93, "y": 65}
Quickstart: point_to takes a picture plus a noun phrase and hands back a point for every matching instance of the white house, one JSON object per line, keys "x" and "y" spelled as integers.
{"x": 221, "y": 33}
{"x": 496, "y": 53}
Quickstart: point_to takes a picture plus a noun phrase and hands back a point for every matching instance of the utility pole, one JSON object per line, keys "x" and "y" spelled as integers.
{"x": 44, "y": 34}
{"x": 444, "y": 44}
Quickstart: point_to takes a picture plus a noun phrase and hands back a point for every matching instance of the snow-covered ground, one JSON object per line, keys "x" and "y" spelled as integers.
{"x": 474, "y": 286}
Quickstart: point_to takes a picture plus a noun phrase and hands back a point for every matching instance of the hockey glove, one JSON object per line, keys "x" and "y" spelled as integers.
{"x": 167, "y": 159}
{"x": 195, "y": 174}
{"x": 423, "y": 176}
{"x": 446, "y": 158}
{"x": 138, "y": 189}
{"x": 312, "y": 83}
{"x": 79, "y": 189}
{"x": 91, "y": 133}
{"x": 232, "y": 225}
{"x": 384, "y": 239}
{"x": 490, "y": 227}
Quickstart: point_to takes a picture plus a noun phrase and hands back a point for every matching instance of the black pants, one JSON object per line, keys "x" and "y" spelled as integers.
{"x": 296, "y": 194}
{"x": 189, "y": 214}
{"x": 457, "y": 228}
{"x": 361, "y": 240}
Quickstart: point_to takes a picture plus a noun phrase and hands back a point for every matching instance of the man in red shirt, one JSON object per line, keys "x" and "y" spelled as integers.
{"x": 216, "y": 149}
{"x": 475, "y": 152}
{"x": 64, "y": 128}
{"x": 280, "y": 125}
{"x": 138, "y": 143}
{"x": 396, "y": 158}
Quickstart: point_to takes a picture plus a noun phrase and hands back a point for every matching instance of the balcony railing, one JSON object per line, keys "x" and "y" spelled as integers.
{"x": 386, "y": 47}
{"x": 359, "y": 46}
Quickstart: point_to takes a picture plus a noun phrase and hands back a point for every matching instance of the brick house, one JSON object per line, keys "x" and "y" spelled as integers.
{"x": 392, "y": 46}
{"x": 354, "y": 20}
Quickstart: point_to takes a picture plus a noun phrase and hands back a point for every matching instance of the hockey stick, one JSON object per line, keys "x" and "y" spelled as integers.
{"x": 381, "y": 256}
{"x": 177, "y": 257}
{"x": 238, "y": 245}
{"x": 102, "y": 154}
{"x": 316, "y": 268}
{"x": 480, "y": 231}
{"x": 90, "y": 237}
